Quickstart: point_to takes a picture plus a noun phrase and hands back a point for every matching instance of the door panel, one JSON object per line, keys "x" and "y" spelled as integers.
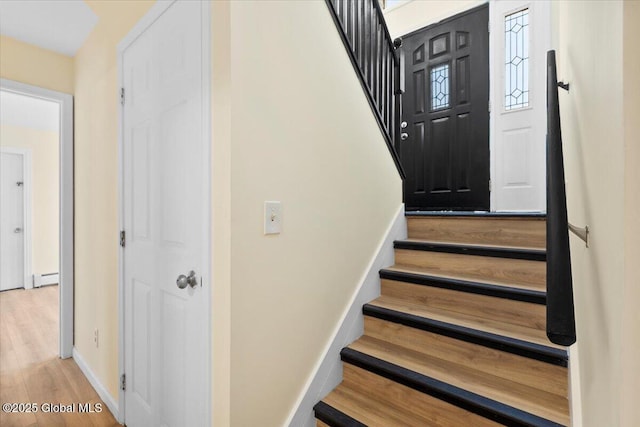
{"x": 12, "y": 221}
{"x": 446, "y": 155}
{"x": 464, "y": 135}
{"x": 165, "y": 340}
{"x": 140, "y": 350}
{"x": 140, "y": 225}
{"x": 439, "y": 146}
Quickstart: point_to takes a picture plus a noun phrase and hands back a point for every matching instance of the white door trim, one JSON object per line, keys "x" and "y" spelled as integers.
{"x": 493, "y": 97}
{"x": 27, "y": 176}
{"x": 149, "y": 18}
{"x": 65, "y": 101}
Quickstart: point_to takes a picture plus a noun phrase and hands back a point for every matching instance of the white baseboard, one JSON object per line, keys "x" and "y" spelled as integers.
{"x": 96, "y": 384}
{"x": 45, "y": 279}
{"x": 328, "y": 372}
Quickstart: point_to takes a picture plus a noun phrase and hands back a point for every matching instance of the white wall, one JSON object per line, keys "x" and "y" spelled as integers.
{"x": 595, "y": 41}
{"x": 303, "y": 133}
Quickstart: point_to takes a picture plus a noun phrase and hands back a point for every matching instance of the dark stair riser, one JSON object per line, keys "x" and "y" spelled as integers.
{"x": 461, "y": 398}
{"x": 333, "y": 417}
{"x": 462, "y": 214}
{"x": 539, "y": 352}
{"x": 455, "y": 248}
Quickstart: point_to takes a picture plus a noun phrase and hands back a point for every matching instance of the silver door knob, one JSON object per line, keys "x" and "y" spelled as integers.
{"x": 17, "y": 230}
{"x": 190, "y": 280}
{"x": 403, "y": 125}
{"x": 404, "y": 136}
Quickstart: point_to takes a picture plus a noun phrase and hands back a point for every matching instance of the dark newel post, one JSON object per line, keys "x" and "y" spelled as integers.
{"x": 561, "y": 327}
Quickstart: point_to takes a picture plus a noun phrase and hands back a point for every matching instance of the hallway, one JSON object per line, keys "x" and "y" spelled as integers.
{"x": 30, "y": 370}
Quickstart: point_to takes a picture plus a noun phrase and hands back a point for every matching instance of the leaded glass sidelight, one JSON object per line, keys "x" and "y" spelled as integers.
{"x": 440, "y": 87}
{"x": 516, "y": 47}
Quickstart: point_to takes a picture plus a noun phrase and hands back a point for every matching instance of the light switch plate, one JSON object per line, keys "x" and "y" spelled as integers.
{"x": 272, "y": 217}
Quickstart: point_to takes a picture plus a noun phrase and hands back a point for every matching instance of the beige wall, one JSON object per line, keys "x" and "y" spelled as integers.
{"x": 629, "y": 411}
{"x": 416, "y": 14}
{"x": 302, "y": 133}
{"x": 96, "y": 192}
{"x": 30, "y": 64}
{"x": 221, "y": 211}
{"x": 311, "y": 141}
{"x": 45, "y": 195}
{"x": 600, "y": 133}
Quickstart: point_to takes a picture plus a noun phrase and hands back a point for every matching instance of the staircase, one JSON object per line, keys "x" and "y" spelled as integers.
{"x": 457, "y": 337}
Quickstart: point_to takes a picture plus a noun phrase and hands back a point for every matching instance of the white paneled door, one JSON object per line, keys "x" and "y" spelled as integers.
{"x": 164, "y": 174}
{"x": 12, "y": 219}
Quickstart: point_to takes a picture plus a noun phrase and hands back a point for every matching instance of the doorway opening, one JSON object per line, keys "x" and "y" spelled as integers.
{"x": 36, "y": 219}
{"x": 446, "y": 109}
{"x": 474, "y": 115}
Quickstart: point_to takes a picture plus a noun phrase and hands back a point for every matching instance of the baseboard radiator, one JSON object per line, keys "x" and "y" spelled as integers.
{"x": 45, "y": 279}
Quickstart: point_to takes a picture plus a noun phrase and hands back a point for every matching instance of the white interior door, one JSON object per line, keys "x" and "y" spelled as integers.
{"x": 12, "y": 220}
{"x": 164, "y": 171}
{"x": 520, "y": 37}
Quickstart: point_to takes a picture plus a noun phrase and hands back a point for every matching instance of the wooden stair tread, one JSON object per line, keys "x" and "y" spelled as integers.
{"x": 528, "y": 399}
{"x": 492, "y": 409}
{"x": 536, "y": 336}
{"x": 520, "y": 368}
{"x": 543, "y": 353}
{"x": 508, "y": 311}
{"x": 412, "y": 269}
{"x": 476, "y": 267}
{"x": 469, "y": 287}
{"x": 409, "y": 407}
{"x": 430, "y": 410}
{"x": 370, "y": 412}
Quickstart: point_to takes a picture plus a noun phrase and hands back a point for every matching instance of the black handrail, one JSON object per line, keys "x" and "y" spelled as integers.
{"x": 373, "y": 54}
{"x": 561, "y": 325}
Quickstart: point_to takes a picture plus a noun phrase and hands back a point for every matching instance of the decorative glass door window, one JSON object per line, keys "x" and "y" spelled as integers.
{"x": 440, "y": 87}
{"x": 516, "y": 48}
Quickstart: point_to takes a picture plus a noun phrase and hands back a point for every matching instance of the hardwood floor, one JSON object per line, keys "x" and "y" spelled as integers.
{"x": 30, "y": 370}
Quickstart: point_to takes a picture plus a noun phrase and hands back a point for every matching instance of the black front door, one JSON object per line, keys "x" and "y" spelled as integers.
{"x": 446, "y": 108}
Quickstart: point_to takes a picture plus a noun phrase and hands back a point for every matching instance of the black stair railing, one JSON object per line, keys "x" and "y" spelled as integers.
{"x": 377, "y": 64}
{"x": 561, "y": 326}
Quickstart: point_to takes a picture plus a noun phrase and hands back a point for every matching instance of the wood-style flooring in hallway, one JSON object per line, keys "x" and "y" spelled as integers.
{"x": 32, "y": 372}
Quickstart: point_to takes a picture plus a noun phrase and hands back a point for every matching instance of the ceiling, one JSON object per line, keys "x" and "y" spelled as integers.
{"x": 27, "y": 111}
{"x": 58, "y": 25}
